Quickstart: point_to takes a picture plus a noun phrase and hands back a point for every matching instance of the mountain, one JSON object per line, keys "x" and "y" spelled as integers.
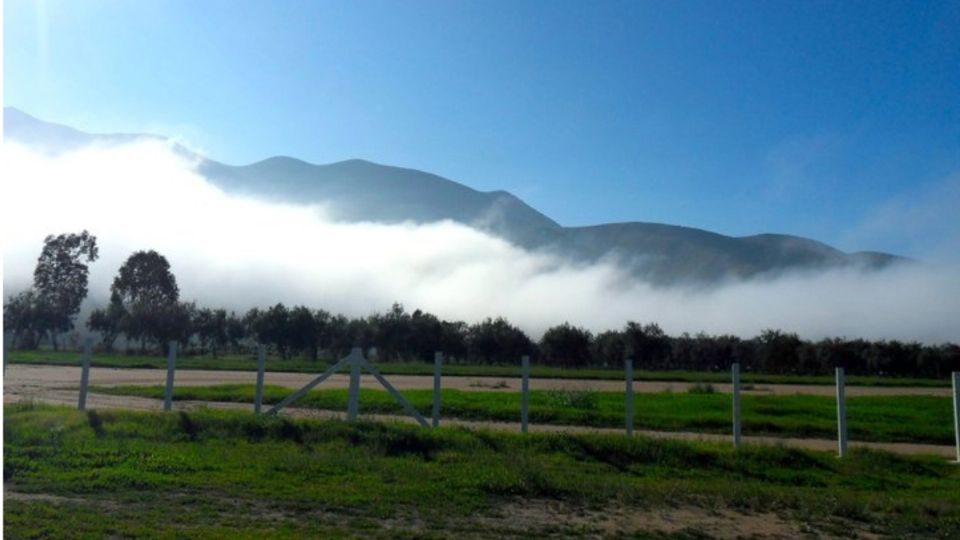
{"x": 358, "y": 190}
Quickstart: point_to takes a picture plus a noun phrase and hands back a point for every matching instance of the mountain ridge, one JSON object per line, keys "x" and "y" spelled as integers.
{"x": 362, "y": 190}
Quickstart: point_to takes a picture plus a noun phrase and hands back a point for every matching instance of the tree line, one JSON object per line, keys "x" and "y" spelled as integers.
{"x": 145, "y": 310}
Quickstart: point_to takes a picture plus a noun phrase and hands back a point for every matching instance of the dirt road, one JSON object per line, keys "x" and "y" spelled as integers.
{"x": 28, "y": 380}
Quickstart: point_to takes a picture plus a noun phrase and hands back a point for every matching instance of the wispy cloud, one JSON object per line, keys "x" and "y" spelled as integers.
{"x": 923, "y": 221}
{"x": 801, "y": 166}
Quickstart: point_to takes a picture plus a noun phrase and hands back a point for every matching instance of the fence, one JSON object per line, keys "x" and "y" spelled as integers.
{"x": 358, "y": 363}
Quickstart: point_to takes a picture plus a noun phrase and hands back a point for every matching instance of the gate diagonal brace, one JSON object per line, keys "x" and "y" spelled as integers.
{"x": 395, "y": 393}
{"x": 300, "y": 393}
{"x": 354, "y": 359}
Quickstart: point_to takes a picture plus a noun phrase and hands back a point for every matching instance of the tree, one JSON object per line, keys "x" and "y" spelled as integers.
{"x": 271, "y": 327}
{"x": 566, "y": 345}
{"x": 213, "y": 328}
{"x": 172, "y": 322}
{"x": 60, "y": 280}
{"x": 649, "y": 345}
{"x": 303, "y": 331}
{"x": 609, "y": 348}
{"x": 779, "y": 352}
{"x": 108, "y": 322}
{"x": 22, "y": 318}
{"x": 391, "y": 333}
{"x": 148, "y": 292}
{"x": 453, "y": 340}
{"x": 145, "y": 279}
{"x": 426, "y": 336}
{"x": 236, "y": 331}
{"x": 496, "y": 340}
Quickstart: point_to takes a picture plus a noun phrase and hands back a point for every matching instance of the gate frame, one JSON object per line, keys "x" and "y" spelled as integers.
{"x": 356, "y": 361}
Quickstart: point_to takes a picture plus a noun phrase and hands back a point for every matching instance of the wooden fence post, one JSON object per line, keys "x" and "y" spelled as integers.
{"x": 7, "y": 345}
{"x": 735, "y": 369}
{"x": 841, "y": 414}
{"x": 437, "y": 367}
{"x": 85, "y": 373}
{"x": 353, "y": 396}
{"x": 261, "y": 365}
{"x": 524, "y": 391}
{"x": 171, "y": 368}
{"x": 628, "y": 375}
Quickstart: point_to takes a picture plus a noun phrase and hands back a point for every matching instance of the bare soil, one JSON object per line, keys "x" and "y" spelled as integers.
{"x": 527, "y": 518}
{"x": 618, "y": 520}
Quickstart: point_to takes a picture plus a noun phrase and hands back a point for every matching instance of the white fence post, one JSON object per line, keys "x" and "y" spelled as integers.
{"x": 524, "y": 391}
{"x": 735, "y": 369}
{"x": 85, "y": 373}
{"x": 628, "y": 375}
{"x": 353, "y": 396}
{"x": 261, "y": 365}
{"x": 7, "y": 344}
{"x": 841, "y": 414}
{"x": 956, "y": 410}
{"x": 171, "y": 368}
{"x": 437, "y": 366}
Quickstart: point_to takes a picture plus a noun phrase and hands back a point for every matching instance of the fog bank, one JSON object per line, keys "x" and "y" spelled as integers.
{"x": 239, "y": 252}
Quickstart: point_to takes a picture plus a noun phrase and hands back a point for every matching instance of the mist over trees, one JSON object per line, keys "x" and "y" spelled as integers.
{"x": 60, "y": 279}
{"x": 144, "y": 306}
{"x": 146, "y": 311}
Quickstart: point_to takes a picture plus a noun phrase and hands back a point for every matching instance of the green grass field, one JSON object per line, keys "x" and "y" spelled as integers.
{"x": 248, "y": 363}
{"x": 917, "y": 419}
{"x": 217, "y": 474}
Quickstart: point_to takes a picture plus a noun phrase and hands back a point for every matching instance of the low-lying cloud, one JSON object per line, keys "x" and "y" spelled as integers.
{"x": 240, "y": 252}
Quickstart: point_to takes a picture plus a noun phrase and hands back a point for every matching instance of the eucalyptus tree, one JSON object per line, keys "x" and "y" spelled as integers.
{"x": 60, "y": 279}
{"x": 148, "y": 291}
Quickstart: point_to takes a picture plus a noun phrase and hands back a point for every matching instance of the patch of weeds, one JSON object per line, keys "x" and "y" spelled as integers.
{"x": 188, "y": 426}
{"x": 254, "y": 430}
{"x": 96, "y": 423}
{"x": 410, "y": 443}
{"x": 576, "y": 399}
{"x": 489, "y": 440}
{"x": 289, "y": 431}
{"x": 496, "y": 386}
{"x": 395, "y": 442}
{"x": 701, "y": 388}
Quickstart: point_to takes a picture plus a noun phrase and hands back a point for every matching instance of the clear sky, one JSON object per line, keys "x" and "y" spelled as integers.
{"x": 834, "y": 120}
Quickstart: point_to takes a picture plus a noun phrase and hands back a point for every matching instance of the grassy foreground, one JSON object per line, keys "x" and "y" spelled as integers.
{"x": 216, "y": 474}
{"x": 916, "y": 419}
{"x": 298, "y": 365}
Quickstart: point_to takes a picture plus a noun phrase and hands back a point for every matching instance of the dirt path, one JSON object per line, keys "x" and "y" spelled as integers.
{"x": 23, "y": 379}
{"x": 103, "y": 401}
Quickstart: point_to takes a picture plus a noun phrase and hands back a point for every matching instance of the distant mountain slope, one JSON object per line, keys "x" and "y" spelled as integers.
{"x": 358, "y": 190}
{"x": 55, "y": 138}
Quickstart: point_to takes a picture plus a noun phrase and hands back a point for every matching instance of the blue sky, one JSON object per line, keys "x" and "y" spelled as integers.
{"x": 834, "y": 120}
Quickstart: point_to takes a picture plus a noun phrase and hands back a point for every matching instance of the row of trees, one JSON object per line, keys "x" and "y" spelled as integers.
{"x": 146, "y": 312}
{"x": 398, "y": 335}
